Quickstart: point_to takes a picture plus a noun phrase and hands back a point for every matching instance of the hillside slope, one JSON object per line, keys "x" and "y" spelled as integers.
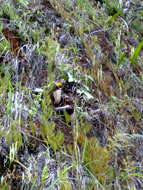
{"x": 71, "y": 88}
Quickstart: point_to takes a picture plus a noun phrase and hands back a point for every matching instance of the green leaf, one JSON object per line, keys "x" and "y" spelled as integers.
{"x": 136, "y": 53}
{"x": 4, "y": 46}
{"x": 23, "y": 2}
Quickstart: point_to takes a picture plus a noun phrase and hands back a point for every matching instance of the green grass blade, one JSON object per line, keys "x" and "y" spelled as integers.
{"x": 136, "y": 53}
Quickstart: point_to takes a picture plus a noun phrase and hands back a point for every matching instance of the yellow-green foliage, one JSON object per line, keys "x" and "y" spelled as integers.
{"x": 12, "y": 130}
{"x": 65, "y": 185}
{"x": 63, "y": 180}
{"x": 4, "y": 44}
{"x": 12, "y": 134}
{"x": 23, "y": 2}
{"x": 4, "y": 186}
{"x": 97, "y": 159}
{"x": 48, "y": 48}
{"x": 3, "y": 90}
{"x": 10, "y": 11}
{"x": 51, "y": 137}
{"x": 36, "y": 35}
{"x": 6, "y": 93}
